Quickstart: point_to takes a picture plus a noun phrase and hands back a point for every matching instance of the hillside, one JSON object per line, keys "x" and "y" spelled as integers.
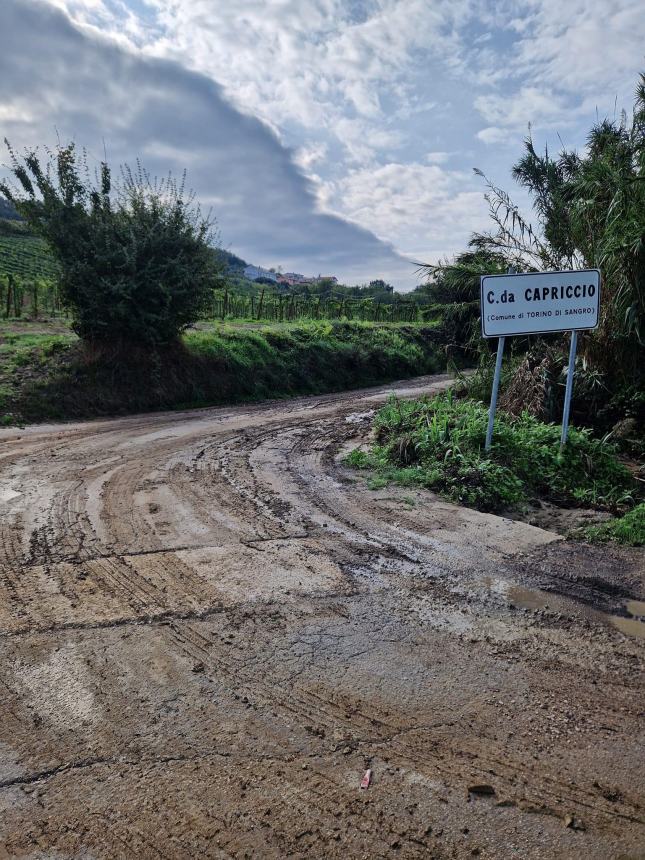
{"x": 25, "y": 255}
{"x": 7, "y": 210}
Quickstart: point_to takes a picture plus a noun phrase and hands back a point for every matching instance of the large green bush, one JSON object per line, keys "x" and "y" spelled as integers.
{"x": 135, "y": 260}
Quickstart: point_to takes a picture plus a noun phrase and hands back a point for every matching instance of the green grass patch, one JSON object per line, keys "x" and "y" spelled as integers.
{"x": 55, "y": 378}
{"x": 438, "y": 443}
{"x": 628, "y": 530}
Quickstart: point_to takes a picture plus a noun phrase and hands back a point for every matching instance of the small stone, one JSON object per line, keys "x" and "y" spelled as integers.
{"x": 481, "y": 788}
{"x": 198, "y": 667}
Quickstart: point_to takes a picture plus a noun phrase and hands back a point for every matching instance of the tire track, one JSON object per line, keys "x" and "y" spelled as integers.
{"x": 227, "y": 561}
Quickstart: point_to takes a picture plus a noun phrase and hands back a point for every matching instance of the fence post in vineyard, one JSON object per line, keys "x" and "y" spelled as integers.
{"x": 8, "y": 307}
{"x": 17, "y": 300}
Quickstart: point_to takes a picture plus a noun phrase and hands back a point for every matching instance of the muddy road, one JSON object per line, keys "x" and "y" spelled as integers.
{"x": 210, "y": 629}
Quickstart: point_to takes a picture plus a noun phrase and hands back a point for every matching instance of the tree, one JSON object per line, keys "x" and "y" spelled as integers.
{"x": 136, "y": 257}
{"x": 590, "y": 213}
{"x": 453, "y": 293}
{"x": 380, "y": 285}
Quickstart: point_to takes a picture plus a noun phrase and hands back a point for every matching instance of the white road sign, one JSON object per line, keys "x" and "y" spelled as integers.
{"x": 539, "y": 302}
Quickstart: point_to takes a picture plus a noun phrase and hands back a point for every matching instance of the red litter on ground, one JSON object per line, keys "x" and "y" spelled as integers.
{"x": 365, "y": 782}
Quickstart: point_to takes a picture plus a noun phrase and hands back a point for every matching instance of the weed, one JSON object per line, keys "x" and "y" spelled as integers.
{"x": 439, "y": 444}
{"x": 628, "y": 529}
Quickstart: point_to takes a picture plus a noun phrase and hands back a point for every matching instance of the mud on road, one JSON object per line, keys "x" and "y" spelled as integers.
{"x": 210, "y": 629}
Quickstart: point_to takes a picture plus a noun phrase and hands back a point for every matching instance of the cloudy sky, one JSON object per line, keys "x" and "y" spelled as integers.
{"x": 329, "y": 136}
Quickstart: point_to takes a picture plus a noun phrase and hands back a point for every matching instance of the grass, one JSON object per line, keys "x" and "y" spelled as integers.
{"x": 439, "y": 444}
{"x": 52, "y": 377}
{"x": 25, "y": 357}
{"x": 628, "y": 529}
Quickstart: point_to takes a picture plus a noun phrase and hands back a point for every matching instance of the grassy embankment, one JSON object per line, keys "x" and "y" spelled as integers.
{"x": 52, "y": 377}
{"x": 439, "y": 444}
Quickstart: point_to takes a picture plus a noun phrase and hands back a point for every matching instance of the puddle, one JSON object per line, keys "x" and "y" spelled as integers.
{"x": 534, "y": 598}
{"x": 629, "y": 626}
{"x": 634, "y": 626}
{"x": 359, "y": 417}
{"x": 636, "y": 607}
{"x": 527, "y": 599}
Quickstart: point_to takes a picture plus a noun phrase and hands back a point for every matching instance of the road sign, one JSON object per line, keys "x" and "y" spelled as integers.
{"x": 539, "y": 302}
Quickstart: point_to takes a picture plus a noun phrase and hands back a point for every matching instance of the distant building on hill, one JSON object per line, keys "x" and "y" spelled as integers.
{"x": 255, "y": 272}
{"x": 291, "y": 279}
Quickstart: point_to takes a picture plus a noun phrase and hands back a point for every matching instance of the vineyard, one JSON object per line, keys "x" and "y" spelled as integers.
{"x": 25, "y": 256}
{"x": 37, "y": 296}
{"x": 28, "y": 288}
{"x": 32, "y": 297}
{"x": 275, "y": 307}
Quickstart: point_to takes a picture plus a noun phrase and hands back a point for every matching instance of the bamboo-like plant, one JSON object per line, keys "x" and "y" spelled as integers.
{"x": 589, "y": 213}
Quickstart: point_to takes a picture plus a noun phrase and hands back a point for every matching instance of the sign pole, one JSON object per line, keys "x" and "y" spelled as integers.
{"x": 569, "y": 388}
{"x": 498, "y": 372}
{"x": 515, "y": 305}
{"x": 493, "y": 395}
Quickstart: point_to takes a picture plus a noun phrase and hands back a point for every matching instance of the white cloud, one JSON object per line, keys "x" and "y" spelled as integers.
{"x": 529, "y": 105}
{"x": 93, "y": 91}
{"x": 438, "y": 157}
{"x": 315, "y": 63}
{"x": 494, "y": 134}
{"x": 380, "y": 92}
{"x": 415, "y": 205}
{"x": 307, "y": 156}
{"x": 569, "y": 59}
{"x": 17, "y": 110}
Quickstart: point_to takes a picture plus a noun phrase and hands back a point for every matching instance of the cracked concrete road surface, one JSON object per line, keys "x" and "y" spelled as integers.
{"x": 211, "y": 628}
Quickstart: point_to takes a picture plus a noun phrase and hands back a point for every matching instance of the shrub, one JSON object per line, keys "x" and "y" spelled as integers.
{"x": 135, "y": 260}
{"x": 439, "y": 443}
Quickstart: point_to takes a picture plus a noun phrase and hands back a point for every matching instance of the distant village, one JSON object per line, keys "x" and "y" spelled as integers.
{"x": 291, "y": 279}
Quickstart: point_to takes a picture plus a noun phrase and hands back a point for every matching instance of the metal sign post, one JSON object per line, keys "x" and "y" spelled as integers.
{"x": 569, "y": 388}
{"x": 493, "y": 396}
{"x": 538, "y": 303}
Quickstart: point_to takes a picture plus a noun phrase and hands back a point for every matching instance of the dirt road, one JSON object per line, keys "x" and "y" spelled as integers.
{"x": 210, "y": 629}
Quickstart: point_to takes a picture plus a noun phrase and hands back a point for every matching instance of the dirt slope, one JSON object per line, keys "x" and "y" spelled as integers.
{"x": 210, "y": 629}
